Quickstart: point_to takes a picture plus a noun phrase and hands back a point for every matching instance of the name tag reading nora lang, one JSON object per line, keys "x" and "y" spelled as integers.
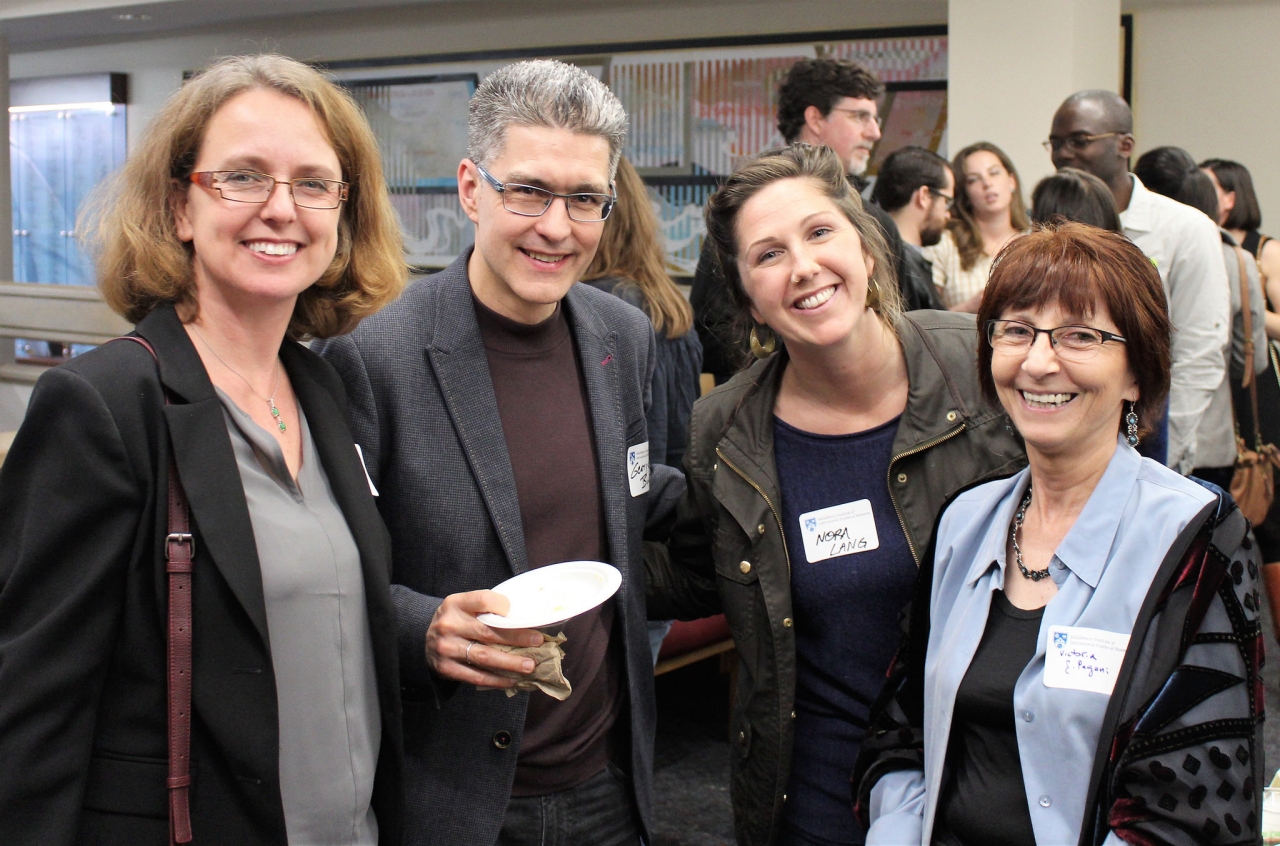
{"x": 1083, "y": 659}
{"x": 839, "y": 530}
{"x": 638, "y": 468}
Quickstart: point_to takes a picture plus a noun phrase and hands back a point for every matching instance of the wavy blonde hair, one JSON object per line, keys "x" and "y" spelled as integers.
{"x": 631, "y": 249}
{"x": 141, "y": 262}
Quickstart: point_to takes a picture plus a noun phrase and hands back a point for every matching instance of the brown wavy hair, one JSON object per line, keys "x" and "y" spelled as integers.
{"x": 631, "y": 250}
{"x": 1081, "y": 268}
{"x": 141, "y": 262}
{"x": 963, "y": 226}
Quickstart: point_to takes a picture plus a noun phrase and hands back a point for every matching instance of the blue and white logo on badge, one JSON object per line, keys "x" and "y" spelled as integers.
{"x": 638, "y": 468}
{"x": 1060, "y": 640}
{"x": 810, "y": 524}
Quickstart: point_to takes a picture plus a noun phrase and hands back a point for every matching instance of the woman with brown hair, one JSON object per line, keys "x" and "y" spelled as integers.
{"x": 1084, "y": 668}
{"x": 630, "y": 263}
{"x": 252, "y": 215}
{"x": 814, "y": 479}
{"x": 988, "y": 213}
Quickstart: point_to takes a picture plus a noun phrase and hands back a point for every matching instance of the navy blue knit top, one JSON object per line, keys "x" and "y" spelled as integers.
{"x": 851, "y": 575}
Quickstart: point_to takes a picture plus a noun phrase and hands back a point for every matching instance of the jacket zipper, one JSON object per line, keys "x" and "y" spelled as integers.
{"x": 946, "y": 436}
{"x": 769, "y": 502}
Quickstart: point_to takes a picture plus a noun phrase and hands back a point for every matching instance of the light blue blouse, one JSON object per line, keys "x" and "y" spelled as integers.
{"x": 1103, "y": 569}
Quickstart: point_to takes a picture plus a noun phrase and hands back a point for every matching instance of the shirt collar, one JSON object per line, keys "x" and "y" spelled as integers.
{"x": 1085, "y": 549}
{"x": 1138, "y": 216}
{"x": 1088, "y": 543}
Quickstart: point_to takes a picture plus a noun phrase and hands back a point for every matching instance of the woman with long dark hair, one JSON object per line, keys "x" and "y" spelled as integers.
{"x": 988, "y": 212}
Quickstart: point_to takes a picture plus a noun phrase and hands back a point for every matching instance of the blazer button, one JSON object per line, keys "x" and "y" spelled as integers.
{"x": 742, "y": 738}
{"x": 793, "y": 715}
{"x": 786, "y": 622}
{"x": 951, "y": 416}
{"x": 745, "y": 567}
{"x": 502, "y": 739}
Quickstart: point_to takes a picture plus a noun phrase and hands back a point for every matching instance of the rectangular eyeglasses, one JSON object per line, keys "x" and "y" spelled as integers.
{"x": 531, "y": 201}
{"x": 247, "y": 186}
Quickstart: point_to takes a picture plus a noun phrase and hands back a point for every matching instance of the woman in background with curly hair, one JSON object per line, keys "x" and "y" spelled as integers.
{"x": 988, "y": 212}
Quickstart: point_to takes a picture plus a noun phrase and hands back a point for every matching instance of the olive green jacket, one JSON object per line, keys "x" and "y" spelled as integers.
{"x": 727, "y": 550}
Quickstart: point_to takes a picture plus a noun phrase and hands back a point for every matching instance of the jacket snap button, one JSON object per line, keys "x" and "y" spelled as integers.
{"x": 784, "y": 797}
{"x": 902, "y": 478}
{"x": 951, "y": 417}
{"x": 742, "y": 738}
{"x": 786, "y": 622}
{"x": 1045, "y": 801}
{"x": 745, "y": 567}
{"x": 502, "y": 739}
{"x": 760, "y": 528}
{"x": 793, "y": 715}
{"x": 1028, "y": 716}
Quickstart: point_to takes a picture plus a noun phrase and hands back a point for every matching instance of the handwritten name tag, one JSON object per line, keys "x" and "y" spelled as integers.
{"x": 1083, "y": 659}
{"x": 839, "y": 530}
{"x": 638, "y": 468}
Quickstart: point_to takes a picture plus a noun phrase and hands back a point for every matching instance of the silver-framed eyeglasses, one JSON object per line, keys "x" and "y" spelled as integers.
{"x": 532, "y": 201}
{"x": 1077, "y": 141}
{"x": 861, "y": 116}
{"x": 1074, "y": 342}
{"x": 247, "y": 186}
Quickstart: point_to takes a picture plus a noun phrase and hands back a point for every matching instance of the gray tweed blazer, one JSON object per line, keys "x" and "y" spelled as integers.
{"x": 424, "y": 413}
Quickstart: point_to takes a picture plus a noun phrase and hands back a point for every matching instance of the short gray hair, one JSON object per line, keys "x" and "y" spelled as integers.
{"x": 543, "y": 92}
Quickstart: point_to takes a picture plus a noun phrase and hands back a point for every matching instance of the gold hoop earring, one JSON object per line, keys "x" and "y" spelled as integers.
{"x": 873, "y": 295}
{"x": 762, "y": 350}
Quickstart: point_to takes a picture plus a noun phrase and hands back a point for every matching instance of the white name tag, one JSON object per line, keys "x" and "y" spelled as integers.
{"x": 365, "y": 467}
{"x": 839, "y": 530}
{"x": 638, "y": 468}
{"x": 1083, "y": 659}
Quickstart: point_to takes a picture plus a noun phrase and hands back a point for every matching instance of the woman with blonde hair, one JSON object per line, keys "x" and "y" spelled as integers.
{"x": 988, "y": 212}
{"x": 630, "y": 263}
{"x": 210, "y": 444}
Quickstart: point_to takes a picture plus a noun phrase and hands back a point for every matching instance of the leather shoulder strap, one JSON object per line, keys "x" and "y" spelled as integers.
{"x": 180, "y": 549}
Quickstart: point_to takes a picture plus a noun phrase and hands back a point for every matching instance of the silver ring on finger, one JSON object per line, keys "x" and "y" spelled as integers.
{"x": 467, "y": 654}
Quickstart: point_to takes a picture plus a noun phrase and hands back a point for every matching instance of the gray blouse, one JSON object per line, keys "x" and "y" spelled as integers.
{"x": 330, "y": 724}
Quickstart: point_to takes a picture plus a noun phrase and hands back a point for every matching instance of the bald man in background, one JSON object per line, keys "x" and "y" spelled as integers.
{"x": 1093, "y": 131}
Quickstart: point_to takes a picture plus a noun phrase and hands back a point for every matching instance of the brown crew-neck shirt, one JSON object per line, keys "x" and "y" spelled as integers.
{"x": 542, "y": 402}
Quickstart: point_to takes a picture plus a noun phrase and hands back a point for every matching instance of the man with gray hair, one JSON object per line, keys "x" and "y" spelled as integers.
{"x": 500, "y": 411}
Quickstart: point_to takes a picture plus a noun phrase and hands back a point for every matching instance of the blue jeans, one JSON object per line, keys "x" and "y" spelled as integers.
{"x": 599, "y": 812}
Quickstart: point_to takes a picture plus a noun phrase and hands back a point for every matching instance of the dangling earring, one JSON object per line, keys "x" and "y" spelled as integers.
{"x": 1131, "y": 426}
{"x": 873, "y": 295}
{"x": 764, "y": 350}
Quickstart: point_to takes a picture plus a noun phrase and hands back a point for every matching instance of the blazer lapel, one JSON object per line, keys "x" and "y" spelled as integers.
{"x": 456, "y": 355}
{"x": 207, "y": 464}
{"x": 596, "y": 347}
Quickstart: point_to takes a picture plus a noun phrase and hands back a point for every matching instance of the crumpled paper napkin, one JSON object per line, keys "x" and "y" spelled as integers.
{"x": 547, "y": 674}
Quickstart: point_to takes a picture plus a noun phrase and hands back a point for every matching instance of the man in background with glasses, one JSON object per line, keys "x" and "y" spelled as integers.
{"x": 917, "y": 189}
{"x": 500, "y": 410}
{"x": 1093, "y": 131}
{"x": 824, "y": 102}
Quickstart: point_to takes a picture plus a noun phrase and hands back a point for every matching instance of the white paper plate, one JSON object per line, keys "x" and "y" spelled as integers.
{"x": 554, "y": 593}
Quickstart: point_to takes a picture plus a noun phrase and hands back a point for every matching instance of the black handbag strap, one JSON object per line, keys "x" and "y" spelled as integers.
{"x": 180, "y": 549}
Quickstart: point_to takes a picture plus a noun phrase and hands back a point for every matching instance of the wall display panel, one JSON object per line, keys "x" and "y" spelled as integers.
{"x": 697, "y": 109}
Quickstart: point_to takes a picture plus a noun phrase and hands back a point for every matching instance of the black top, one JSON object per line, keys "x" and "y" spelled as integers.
{"x": 984, "y": 801}
{"x": 847, "y": 592}
{"x": 542, "y": 402}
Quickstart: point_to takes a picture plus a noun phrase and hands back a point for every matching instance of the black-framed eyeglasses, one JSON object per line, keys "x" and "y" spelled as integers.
{"x": 247, "y": 186}
{"x": 950, "y": 198}
{"x": 531, "y": 201}
{"x": 1072, "y": 342}
{"x": 861, "y": 116}
{"x": 1076, "y": 142}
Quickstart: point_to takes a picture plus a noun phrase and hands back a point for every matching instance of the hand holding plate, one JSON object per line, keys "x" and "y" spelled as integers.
{"x": 456, "y": 640}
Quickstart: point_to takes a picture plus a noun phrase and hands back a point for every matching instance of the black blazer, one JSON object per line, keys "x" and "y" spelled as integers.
{"x": 425, "y": 414}
{"x": 83, "y": 742}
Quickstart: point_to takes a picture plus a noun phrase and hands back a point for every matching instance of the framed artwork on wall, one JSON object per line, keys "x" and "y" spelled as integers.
{"x": 697, "y": 108}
